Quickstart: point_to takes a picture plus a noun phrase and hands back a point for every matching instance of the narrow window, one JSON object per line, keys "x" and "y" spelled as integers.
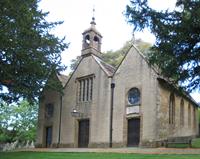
{"x": 83, "y": 90}
{"x": 189, "y": 115}
{"x": 87, "y": 93}
{"x": 171, "y": 109}
{"x": 91, "y": 87}
{"x": 182, "y": 113}
{"x": 194, "y": 122}
{"x": 80, "y": 90}
{"x": 49, "y": 110}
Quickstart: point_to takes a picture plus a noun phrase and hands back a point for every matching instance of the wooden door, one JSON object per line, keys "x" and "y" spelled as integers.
{"x": 83, "y": 134}
{"x": 48, "y": 136}
{"x": 133, "y": 132}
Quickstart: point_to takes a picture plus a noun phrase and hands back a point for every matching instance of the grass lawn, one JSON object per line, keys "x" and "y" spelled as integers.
{"x": 53, "y": 155}
{"x": 196, "y": 143}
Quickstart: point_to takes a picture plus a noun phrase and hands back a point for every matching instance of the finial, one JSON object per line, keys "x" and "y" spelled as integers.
{"x": 93, "y": 11}
{"x": 133, "y": 38}
{"x": 93, "y": 16}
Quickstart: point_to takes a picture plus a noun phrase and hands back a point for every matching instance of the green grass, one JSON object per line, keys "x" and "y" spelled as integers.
{"x": 53, "y": 155}
{"x": 196, "y": 143}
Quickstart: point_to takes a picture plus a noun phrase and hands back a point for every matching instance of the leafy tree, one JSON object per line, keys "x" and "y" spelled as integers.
{"x": 18, "y": 122}
{"x": 115, "y": 57}
{"x": 28, "y": 51}
{"x": 74, "y": 63}
{"x": 5, "y": 113}
{"x": 177, "y": 32}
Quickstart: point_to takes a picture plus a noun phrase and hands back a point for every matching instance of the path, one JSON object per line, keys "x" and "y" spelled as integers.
{"x": 121, "y": 150}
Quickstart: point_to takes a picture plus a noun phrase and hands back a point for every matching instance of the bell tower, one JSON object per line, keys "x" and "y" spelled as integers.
{"x": 91, "y": 43}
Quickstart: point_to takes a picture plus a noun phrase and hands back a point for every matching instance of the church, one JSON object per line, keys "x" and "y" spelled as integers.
{"x": 102, "y": 106}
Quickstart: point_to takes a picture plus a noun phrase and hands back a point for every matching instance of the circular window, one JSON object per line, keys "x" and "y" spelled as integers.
{"x": 134, "y": 96}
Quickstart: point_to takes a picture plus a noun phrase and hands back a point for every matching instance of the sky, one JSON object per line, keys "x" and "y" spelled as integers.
{"x": 110, "y": 22}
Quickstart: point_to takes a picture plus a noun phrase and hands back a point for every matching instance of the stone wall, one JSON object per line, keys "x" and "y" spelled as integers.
{"x": 54, "y": 98}
{"x": 97, "y": 110}
{"x": 165, "y": 129}
{"x": 134, "y": 71}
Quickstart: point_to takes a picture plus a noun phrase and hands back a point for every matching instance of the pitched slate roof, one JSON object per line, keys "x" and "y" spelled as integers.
{"x": 166, "y": 80}
{"x": 63, "y": 79}
{"x": 160, "y": 77}
{"x": 177, "y": 89}
{"x": 107, "y": 68}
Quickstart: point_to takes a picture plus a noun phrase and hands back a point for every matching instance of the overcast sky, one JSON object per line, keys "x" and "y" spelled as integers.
{"x": 77, "y": 15}
{"x": 111, "y": 23}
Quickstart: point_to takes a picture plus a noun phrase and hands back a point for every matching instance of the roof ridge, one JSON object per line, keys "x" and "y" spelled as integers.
{"x": 62, "y": 78}
{"x": 145, "y": 58}
{"x": 107, "y": 68}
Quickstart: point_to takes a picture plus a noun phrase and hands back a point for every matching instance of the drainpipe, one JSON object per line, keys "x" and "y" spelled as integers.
{"x": 59, "y": 130}
{"x": 111, "y": 111}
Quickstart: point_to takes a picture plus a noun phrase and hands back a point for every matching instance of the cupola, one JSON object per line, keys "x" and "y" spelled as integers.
{"x": 91, "y": 41}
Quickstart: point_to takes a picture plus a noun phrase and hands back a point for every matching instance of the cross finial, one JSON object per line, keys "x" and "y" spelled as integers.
{"x": 93, "y": 11}
{"x": 93, "y": 16}
{"x": 133, "y": 38}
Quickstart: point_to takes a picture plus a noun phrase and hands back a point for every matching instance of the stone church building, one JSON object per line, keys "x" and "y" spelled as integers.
{"x": 103, "y": 106}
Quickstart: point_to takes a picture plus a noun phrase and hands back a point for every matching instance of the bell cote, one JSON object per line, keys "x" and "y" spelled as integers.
{"x": 91, "y": 43}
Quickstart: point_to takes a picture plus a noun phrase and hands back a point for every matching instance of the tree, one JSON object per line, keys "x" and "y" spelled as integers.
{"x": 114, "y": 58}
{"x": 29, "y": 53}
{"x": 177, "y": 32}
{"x": 74, "y": 63}
{"x": 18, "y": 122}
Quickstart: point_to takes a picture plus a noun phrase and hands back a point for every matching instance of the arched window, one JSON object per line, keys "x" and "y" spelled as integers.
{"x": 195, "y": 118}
{"x": 87, "y": 39}
{"x": 49, "y": 109}
{"x": 182, "y": 112}
{"x": 189, "y": 115}
{"x": 96, "y": 39}
{"x": 171, "y": 109}
{"x": 134, "y": 96}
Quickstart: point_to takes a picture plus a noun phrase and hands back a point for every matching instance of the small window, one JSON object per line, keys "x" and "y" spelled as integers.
{"x": 134, "y": 96}
{"x": 49, "y": 110}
